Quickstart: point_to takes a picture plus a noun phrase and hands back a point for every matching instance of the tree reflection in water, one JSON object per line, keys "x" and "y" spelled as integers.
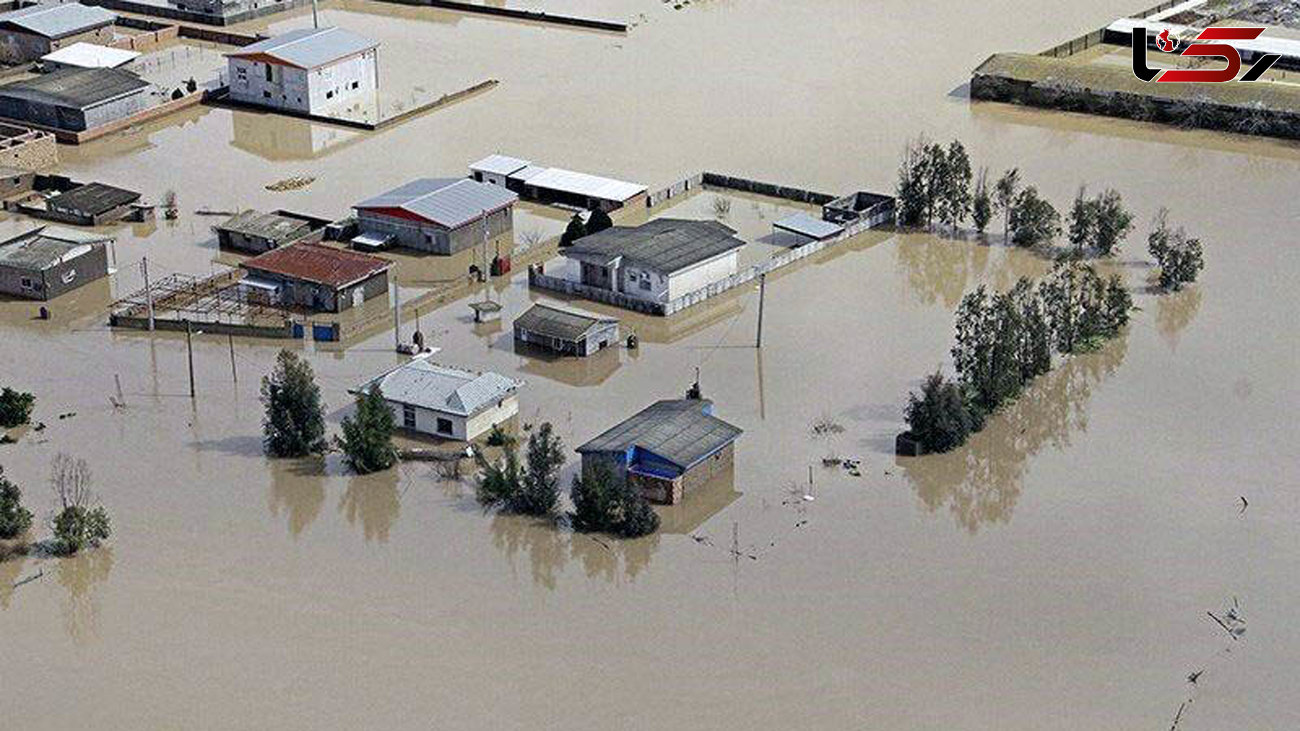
{"x": 373, "y": 501}
{"x": 938, "y": 270}
{"x": 298, "y": 491}
{"x": 81, "y": 575}
{"x": 549, "y": 548}
{"x": 1174, "y": 312}
{"x": 981, "y": 481}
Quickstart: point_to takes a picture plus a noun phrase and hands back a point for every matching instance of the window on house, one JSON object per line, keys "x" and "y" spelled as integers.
{"x": 268, "y": 72}
{"x": 266, "y": 95}
{"x": 26, "y": 283}
{"x": 356, "y": 84}
{"x": 329, "y": 95}
{"x": 408, "y": 416}
{"x": 444, "y": 426}
{"x": 645, "y": 283}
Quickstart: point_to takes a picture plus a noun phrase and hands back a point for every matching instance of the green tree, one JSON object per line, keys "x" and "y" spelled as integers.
{"x": 604, "y": 503}
{"x": 1180, "y": 258}
{"x": 15, "y": 407}
{"x": 294, "y": 425}
{"x": 598, "y": 220}
{"x": 954, "y": 196}
{"x": 1113, "y": 223}
{"x": 982, "y": 203}
{"x": 541, "y": 483}
{"x": 936, "y": 174}
{"x": 499, "y": 483}
{"x": 1005, "y": 192}
{"x": 367, "y": 440}
{"x": 911, "y": 192}
{"x": 1118, "y": 305}
{"x": 1061, "y": 298}
{"x": 574, "y": 231}
{"x": 1033, "y": 221}
{"x": 1034, "y": 341}
{"x": 14, "y": 518}
{"x": 77, "y": 527}
{"x": 939, "y": 417}
{"x": 1082, "y": 221}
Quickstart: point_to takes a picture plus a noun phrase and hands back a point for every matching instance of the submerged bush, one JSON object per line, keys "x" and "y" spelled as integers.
{"x": 939, "y": 418}
{"x": 14, "y": 518}
{"x": 603, "y": 503}
{"x": 15, "y": 407}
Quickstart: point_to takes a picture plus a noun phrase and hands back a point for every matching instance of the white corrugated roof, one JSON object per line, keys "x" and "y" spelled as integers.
{"x": 591, "y": 186}
{"x": 91, "y": 56}
{"x": 450, "y": 202}
{"x": 309, "y": 47}
{"x": 57, "y": 20}
{"x": 442, "y": 388}
{"x": 499, "y": 165}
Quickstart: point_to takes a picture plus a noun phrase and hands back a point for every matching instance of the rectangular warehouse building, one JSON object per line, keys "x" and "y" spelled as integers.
{"x": 46, "y": 262}
{"x": 28, "y": 33}
{"x": 75, "y": 99}
{"x": 439, "y": 215}
{"x": 306, "y": 71}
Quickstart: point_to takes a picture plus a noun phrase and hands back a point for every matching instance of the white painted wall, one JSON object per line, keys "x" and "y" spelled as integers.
{"x": 703, "y": 274}
{"x": 308, "y": 91}
{"x": 426, "y": 420}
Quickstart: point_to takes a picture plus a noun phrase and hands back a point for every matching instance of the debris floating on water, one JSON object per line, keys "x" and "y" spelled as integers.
{"x": 298, "y": 182}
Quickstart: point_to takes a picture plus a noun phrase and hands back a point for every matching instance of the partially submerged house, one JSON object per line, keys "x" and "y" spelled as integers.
{"x": 437, "y": 215}
{"x": 667, "y": 449}
{"x": 657, "y": 261}
{"x": 83, "y": 55}
{"x": 92, "y": 204}
{"x": 28, "y": 33}
{"x": 564, "y": 330}
{"x": 75, "y": 99}
{"x": 556, "y": 185}
{"x": 43, "y": 263}
{"x": 318, "y": 277}
{"x": 257, "y": 232}
{"x": 447, "y": 402}
{"x": 306, "y": 71}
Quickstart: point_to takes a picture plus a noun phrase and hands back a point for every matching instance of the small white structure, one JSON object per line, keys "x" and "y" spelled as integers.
{"x": 308, "y": 71}
{"x": 87, "y": 56}
{"x": 447, "y": 402}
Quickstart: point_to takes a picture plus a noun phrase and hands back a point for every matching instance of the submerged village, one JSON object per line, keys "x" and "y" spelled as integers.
{"x": 360, "y": 349}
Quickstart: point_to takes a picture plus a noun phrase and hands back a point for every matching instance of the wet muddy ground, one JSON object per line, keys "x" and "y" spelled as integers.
{"x": 1054, "y": 573}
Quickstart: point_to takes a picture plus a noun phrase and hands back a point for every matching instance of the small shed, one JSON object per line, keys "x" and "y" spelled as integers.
{"x": 496, "y": 169}
{"x": 87, "y": 56}
{"x": 565, "y": 331}
{"x": 257, "y": 232}
{"x": 45, "y": 262}
{"x": 667, "y": 450}
{"x": 318, "y": 277}
{"x": 92, "y": 204}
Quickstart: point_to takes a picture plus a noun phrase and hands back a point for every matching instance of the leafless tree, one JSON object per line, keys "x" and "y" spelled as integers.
{"x": 530, "y": 238}
{"x": 70, "y": 481}
{"x": 721, "y": 206}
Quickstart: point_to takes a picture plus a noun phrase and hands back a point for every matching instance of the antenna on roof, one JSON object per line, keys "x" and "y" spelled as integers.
{"x": 315, "y": 18}
{"x": 693, "y": 393}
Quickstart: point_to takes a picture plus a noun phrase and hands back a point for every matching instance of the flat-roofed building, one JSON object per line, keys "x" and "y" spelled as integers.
{"x": 306, "y": 71}
{"x": 92, "y": 204}
{"x": 28, "y": 33}
{"x": 257, "y": 232}
{"x": 83, "y": 55}
{"x": 46, "y": 262}
{"x": 556, "y": 185}
{"x": 446, "y": 402}
{"x": 438, "y": 215}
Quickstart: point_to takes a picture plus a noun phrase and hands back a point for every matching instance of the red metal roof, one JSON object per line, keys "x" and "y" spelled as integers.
{"x": 318, "y": 263}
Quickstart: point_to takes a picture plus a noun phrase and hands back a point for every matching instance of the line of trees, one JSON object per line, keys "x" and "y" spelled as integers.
{"x": 602, "y": 502}
{"x": 1006, "y": 339}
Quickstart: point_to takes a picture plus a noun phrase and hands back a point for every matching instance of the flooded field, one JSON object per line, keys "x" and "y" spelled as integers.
{"x": 1054, "y": 573}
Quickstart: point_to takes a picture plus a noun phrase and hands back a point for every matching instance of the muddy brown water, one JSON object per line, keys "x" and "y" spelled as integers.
{"x": 1055, "y": 573}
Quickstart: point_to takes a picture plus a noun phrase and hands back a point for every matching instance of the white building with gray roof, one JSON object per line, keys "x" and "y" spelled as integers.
{"x": 313, "y": 71}
{"x": 657, "y": 261}
{"x": 438, "y": 215}
{"x": 28, "y": 33}
{"x": 447, "y": 402}
{"x": 46, "y": 262}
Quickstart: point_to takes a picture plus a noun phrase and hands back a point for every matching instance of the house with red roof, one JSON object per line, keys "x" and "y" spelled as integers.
{"x": 315, "y": 276}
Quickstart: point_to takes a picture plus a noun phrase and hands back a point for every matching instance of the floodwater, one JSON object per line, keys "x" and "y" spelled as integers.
{"x": 1055, "y": 573}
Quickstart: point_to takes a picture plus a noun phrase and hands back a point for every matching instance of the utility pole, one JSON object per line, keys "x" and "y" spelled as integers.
{"x": 762, "y": 294}
{"x": 189, "y": 352}
{"x": 233, "y": 373}
{"x": 315, "y": 18}
{"x": 148, "y": 291}
{"x": 397, "y": 315}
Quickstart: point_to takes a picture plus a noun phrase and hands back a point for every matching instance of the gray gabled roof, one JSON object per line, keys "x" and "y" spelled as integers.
{"x": 308, "y": 48}
{"x": 56, "y": 20}
{"x": 678, "y": 431}
{"x": 449, "y": 202}
{"x": 441, "y": 388}
{"x": 559, "y": 322}
{"x": 76, "y": 88}
{"x": 665, "y": 245}
{"x": 48, "y": 246}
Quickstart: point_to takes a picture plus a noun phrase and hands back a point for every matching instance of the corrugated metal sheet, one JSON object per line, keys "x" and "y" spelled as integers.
{"x": 57, "y": 21}
{"x": 591, "y": 186}
{"x": 678, "y": 431}
{"x": 499, "y": 165}
{"x": 318, "y": 263}
{"x": 664, "y": 245}
{"x": 449, "y": 202}
{"x": 441, "y": 388}
{"x": 562, "y": 323}
{"x": 805, "y": 225}
{"x": 309, "y": 47}
{"x": 48, "y": 246}
{"x": 76, "y": 88}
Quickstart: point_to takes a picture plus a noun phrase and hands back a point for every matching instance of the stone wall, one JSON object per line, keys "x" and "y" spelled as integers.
{"x": 27, "y": 149}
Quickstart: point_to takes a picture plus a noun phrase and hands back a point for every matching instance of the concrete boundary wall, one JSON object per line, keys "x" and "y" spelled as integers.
{"x": 538, "y": 16}
{"x": 159, "y": 11}
{"x": 219, "y": 328}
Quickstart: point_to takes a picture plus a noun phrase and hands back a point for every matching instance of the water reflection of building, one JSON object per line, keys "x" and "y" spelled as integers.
{"x": 275, "y": 137}
{"x": 701, "y": 505}
{"x": 981, "y": 481}
{"x": 590, "y": 371}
